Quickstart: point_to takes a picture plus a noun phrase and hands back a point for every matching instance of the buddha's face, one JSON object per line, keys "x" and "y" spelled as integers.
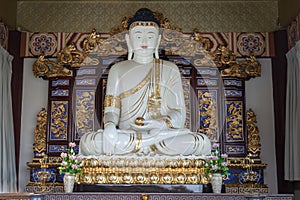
{"x": 144, "y": 40}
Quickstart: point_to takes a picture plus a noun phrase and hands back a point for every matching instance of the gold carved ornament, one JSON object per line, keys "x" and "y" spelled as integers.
{"x": 91, "y": 43}
{"x": 250, "y": 176}
{"x": 235, "y": 120}
{"x": 85, "y": 107}
{"x": 205, "y": 42}
{"x": 208, "y": 111}
{"x": 59, "y": 117}
{"x": 254, "y": 146}
{"x": 40, "y": 132}
{"x": 43, "y": 177}
{"x": 70, "y": 56}
{"x": 230, "y": 67}
{"x": 40, "y": 141}
{"x": 252, "y": 160}
{"x": 187, "y": 45}
{"x": 143, "y": 171}
{"x": 95, "y": 43}
{"x": 46, "y": 68}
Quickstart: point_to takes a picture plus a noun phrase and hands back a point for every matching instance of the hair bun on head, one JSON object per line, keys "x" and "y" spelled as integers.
{"x": 143, "y": 15}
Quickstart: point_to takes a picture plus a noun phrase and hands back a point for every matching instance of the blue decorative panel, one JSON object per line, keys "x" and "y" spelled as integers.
{"x": 209, "y": 114}
{"x": 61, "y": 148}
{"x": 60, "y": 83}
{"x": 185, "y": 71}
{"x": 57, "y": 148}
{"x": 233, "y": 93}
{"x": 206, "y": 82}
{"x": 211, "y": 72}
{"x": 108, "y": 61}
{"x": 85, "y": 82}
{"x": 37, "y": 174}
{"x": 81, "y": 72}
{"x": 63, "y": 93}
{"x": 60, "y": 178}
{"x": 235, "y": 149}
{"x": 234, "y": 121}
{"x": 180, "y": 61}
{"x": 111, "y": 60}
{"x": 59, "y": 120}
{"x": 233, "y": 83}
{"x": 242, "y": 176}
{"x": 85, "y": 111}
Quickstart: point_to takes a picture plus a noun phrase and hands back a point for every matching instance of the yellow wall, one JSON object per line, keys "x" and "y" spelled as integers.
{"x": 288, "y": 10}
{"x": 8, "y": 12}
{"x": 206, "y": 15}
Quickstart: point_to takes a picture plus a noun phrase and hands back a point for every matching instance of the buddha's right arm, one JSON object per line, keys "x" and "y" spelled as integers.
{"x": 112, "y": 101}
{"x": 111, "y": 110}
{"x": 111, "y": 119}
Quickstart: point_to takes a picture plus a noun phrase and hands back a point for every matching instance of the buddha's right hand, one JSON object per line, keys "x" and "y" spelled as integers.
{"x": 110, "y": 138}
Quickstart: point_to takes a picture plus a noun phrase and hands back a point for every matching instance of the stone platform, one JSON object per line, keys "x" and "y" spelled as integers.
{"x": 142, "y": 196}
{"x": 163, "y": 196}
{"x": 147, "y": 188}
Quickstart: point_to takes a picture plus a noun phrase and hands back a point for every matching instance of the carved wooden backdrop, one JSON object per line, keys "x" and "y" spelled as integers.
{"x": 214, "y": 89}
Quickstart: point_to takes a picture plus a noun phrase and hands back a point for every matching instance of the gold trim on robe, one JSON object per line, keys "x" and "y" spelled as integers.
{"x": 112, "y": 101}
{"x": 137, "y": 88}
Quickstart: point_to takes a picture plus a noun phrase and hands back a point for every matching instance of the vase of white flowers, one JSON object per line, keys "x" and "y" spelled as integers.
{"x": 69, "y": 180}
{"x": 217, "y": 166}
{"x": 69, "y": 166}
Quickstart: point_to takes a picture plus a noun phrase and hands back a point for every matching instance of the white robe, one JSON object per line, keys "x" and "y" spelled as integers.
{"x": 129, "y": 88}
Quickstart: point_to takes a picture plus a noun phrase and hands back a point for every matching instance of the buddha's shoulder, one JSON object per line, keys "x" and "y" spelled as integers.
{"x": 120, "y": 66}
{"x": 169, "y": 64}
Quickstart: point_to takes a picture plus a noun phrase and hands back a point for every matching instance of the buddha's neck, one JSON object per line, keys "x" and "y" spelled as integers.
{"x": 143, "y": 59}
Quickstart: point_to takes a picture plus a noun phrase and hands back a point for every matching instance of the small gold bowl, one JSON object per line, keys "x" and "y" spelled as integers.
{"x": 139, "y": 121}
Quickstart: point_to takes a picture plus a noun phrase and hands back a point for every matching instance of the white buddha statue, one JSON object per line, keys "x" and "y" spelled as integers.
{"x": 144, "y": 99}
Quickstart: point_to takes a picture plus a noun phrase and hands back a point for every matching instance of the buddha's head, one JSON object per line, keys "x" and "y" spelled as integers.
{"x": 143, "y": 38}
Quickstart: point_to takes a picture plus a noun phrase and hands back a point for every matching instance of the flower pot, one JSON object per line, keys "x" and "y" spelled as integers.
{"x": 216, "y": 182}
{"x": 69, "y": 180}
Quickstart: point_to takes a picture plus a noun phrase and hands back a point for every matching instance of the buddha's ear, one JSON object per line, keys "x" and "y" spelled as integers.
{"x": 157, "y": 47}
{"x": 130, "y": 51}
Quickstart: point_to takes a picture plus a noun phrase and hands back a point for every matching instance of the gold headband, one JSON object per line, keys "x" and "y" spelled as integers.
{"x": 134, "y": 24}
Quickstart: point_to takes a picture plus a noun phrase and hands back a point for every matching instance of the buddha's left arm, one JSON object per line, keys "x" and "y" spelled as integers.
{"x": 174, "y": 103}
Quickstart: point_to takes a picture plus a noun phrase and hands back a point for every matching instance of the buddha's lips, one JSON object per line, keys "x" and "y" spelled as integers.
{"x": 144, "y": 47}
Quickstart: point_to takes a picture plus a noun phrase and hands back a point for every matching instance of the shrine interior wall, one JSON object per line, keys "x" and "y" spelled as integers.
{"x": 259, "y": 98}
{"x": 35, "y": 97}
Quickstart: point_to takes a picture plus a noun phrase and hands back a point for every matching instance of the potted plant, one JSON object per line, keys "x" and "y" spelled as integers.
{"x": 217, "y": 165}
{"x": 70, "y": 166}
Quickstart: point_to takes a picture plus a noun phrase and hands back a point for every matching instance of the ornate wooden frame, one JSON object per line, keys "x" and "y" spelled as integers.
{"x": 74, "y": 84}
